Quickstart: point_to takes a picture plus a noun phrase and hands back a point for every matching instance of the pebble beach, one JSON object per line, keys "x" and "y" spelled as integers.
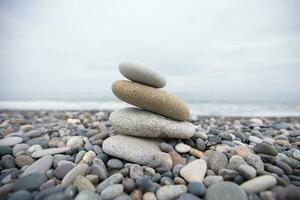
{"x": 154, "y": 149}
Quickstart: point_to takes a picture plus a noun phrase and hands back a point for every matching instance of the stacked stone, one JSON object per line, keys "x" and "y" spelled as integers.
{"x": 157, "y": 115}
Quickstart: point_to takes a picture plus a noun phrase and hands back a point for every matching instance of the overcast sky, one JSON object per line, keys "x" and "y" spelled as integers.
{"x": 209, "y": 50}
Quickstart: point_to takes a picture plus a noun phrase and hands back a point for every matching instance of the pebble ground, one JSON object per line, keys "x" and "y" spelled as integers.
{"x": 53, "y": 155}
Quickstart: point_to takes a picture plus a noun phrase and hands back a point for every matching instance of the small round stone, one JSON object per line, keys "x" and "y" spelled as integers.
{"x": 129, "y": 185}
{"x": 145, "y": 184}
{"x": 165, "y": 147}
{"x": 5, "y": 150}
{"x": 225, "y": 191}
{"x": 87, "y": 195}
{"x": 23, "y": 160}
{"x": 169, "y": 192}
{"x": 112, "y": 191}
{"x": 182, "y": 148}
{"x": 115, "y": 164}
{"x": 136, "y": 171}
{"x": 62, "y": 170}
{"x": 200, "y": 144}
{"x": 75, "y": 141}
{"x": 247, "y": 171}
{"x": 149, "y": 196}
{"x": 197, "y": 188}
{"x": 210, "y": 180}
{"x": 217, "y": 161}
{"x": 265, "y": 149}
{"x": 20, "y": 195}
{"x": 194, "y": 171}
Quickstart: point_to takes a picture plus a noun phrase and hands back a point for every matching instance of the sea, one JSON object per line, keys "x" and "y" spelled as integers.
{"x": 230, "y": 109}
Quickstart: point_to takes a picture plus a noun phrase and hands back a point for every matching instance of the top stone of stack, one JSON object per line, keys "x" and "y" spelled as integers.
{"x": 143, "y": 74}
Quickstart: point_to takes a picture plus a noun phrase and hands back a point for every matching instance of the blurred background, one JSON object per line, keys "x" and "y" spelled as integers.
{"x": 221, "y": 57}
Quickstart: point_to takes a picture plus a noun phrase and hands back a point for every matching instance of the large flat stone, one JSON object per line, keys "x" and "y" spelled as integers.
{"x": 137, "y": 122}
{"x": 133, "y": 149}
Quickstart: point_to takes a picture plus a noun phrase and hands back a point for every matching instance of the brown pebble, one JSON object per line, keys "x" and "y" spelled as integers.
{"x": 151, "y": 99}
{"x": 177, "y": 159}
{"x": 196, "y": 153}
{"x": 136, "y": 195}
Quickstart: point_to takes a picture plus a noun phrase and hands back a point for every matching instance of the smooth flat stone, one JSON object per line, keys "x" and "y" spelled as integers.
{"x": 143, "y": 74}
{"x": 136, "y": 122}
{"x": 182, "y": 148}
{"x": 62, "y": 170}
{"x": 42, "y": 165}
{"x": 225, "y": 191}
{"x": 133, "y": 149}
{"x": 11, "y": 141}
{"x": 5, "y": 150}
{"x": 112, "y": 191}
{"x": 87, "y": 195}
{"x": 30, "y": 182}
{"x": 168, "y": 192}
{"x": 73, "y": 173}
{"x": 51, "y": 151}
{"x": 20, "y": 195}
{"x": 82, "y": 183}
{"x": 259, "y": 184}
{"x": 265, "y": 149}
{"x": 113, "y": 179}
{"x": 151, "y": 99}
{"x": 194, "y": 171}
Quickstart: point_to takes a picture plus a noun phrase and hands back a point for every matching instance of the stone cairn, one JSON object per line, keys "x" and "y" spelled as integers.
{"x": 157, "y": 115}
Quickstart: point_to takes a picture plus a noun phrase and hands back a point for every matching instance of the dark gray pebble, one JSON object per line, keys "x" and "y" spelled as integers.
{"x": 187, "y": 196}
{"x": 48, "y": 192}
{"x": 20, "y": 195}
{"x": 115, "y": 164}
{"x": 166, "y": 147}
{"x": 5, "y": 150}
{"x": 196, "y": 188}
{"x": 145, "y": 184}
{"x": 30, "y": 182}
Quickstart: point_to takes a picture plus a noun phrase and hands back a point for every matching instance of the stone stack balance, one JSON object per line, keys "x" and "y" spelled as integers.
{"x": 157, "y": 115}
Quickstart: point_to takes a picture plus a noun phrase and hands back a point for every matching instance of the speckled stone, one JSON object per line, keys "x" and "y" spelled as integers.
{"x": 265, "y": 149}
{"x": 136, "y": 122}
{"x": 87, "y": 195}
{"x": 225, "y": 191}
{"x": 137, "y": 150}
{"x": 142, "y": 74}
{"x": 20, "y": 195}
{"x": 11, "y": 141}
{"x": 259, "y": 184}
{"x": 112, "y": 191}
{"x": 82, "y": 183}
{"x": 194, "y": 171}
{"x": 182, "y": 148}
{"x": 62, "y": 170}
{"x": 113, "y": 179}
{"x": 72, "y": 174}
{"x": 151, "y": 99}
{"x": 51, "y": 151}
{"x": 30, "y": 182}
{"x": 23, "y": 160}
{"x": 42, "y": 165}
{"x": 168, "y": 192}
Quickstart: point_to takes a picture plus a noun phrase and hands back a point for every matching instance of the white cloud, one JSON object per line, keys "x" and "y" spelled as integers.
{"x": 228, "y": 49}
